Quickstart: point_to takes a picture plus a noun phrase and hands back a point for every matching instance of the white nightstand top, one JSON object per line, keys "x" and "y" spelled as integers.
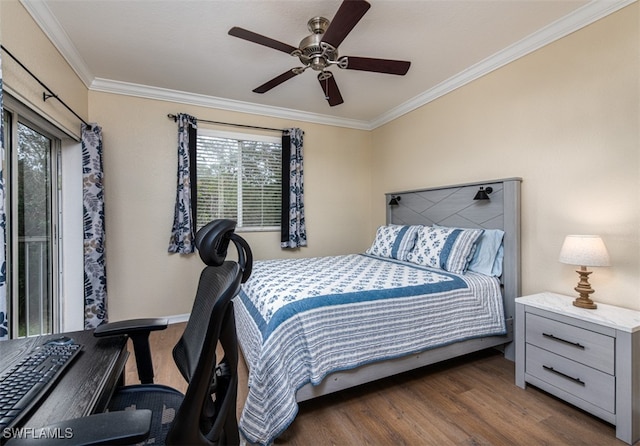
{"x": 608, "y": 315}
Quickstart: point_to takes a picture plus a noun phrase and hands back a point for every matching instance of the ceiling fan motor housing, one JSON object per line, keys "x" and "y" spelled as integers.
{"x": 313, "y": 52}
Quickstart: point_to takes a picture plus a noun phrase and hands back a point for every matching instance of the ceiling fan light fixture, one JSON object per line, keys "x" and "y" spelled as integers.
{"x": 320, "y": 50}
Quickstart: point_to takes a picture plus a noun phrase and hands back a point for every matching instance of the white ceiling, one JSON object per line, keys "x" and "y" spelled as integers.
{"x": 180, "y": 50}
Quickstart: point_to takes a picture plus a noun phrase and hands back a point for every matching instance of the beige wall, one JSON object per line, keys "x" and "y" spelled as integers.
{"x": 23, "y": 38}
{"x": 566, "y": 120}
{"x": 140, "y": 162}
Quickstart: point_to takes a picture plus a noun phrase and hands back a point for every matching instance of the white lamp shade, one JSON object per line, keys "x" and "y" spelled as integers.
{"x": 584, "y": 250}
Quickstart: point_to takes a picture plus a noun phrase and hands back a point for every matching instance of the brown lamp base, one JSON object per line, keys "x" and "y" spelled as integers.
{"x": 585, "y": 303}
{"x": 584, "y": 289}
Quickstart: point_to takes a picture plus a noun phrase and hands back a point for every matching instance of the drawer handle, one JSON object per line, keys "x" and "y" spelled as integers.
{"x": 571, "y": 378}
{"x": 555, "y": 338}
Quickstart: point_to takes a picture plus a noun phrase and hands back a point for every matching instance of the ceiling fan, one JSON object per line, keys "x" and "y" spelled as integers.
{"x": 319, "y": 51}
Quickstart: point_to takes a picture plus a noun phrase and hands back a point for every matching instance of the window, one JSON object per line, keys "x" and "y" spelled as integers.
{"x": 239, "y": 177}
{"x": 32, "y": 224}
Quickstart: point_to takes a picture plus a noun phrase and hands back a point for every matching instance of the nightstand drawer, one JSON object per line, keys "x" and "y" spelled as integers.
{"x": 591, "y": 385}
{"x": 584, "y": 346}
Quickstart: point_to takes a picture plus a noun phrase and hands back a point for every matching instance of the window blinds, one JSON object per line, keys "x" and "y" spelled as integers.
{"x": 239, "y": 179}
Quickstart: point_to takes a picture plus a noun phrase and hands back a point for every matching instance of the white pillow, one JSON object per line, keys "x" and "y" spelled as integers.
{"x": 449, "y": 249}
{"x": 394, "y": 241}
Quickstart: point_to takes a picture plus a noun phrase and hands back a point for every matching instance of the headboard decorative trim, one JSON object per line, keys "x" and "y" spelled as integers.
{"x": 454, "y": 206}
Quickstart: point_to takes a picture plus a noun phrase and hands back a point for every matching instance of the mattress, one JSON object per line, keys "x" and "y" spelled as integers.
{"x": 301, "y": 319}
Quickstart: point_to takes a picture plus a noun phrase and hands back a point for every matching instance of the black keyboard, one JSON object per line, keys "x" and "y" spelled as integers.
{"x": 22, "y": 386}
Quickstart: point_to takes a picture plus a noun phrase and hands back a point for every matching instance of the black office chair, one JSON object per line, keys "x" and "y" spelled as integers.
{"x": 199, "y": 418}
{"x": 206, "y": 413}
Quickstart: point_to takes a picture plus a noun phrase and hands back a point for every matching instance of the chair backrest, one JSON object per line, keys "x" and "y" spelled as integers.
{"x": 203, "y": 418}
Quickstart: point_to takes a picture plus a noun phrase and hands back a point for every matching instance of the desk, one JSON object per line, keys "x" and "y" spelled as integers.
{"x": 85, "y": 386}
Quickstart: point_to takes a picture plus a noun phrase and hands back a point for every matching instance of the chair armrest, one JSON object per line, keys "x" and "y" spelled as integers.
{"x": 131, "y": 326}
{"x": 117, "y": 428}
{"x": 138, "y": 330}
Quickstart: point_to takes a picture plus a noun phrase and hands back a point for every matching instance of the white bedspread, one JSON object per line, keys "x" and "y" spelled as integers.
{"x": 298, "y": 320}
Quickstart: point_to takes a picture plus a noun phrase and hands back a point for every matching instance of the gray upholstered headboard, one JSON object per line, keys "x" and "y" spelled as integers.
{"x": 454, "y": 206}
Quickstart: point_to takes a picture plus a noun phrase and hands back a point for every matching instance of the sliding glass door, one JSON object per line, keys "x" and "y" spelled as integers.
{"x": 32, "y": 227}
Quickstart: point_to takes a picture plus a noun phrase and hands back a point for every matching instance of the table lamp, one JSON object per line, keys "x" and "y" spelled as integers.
{"x": 584, "y": 250}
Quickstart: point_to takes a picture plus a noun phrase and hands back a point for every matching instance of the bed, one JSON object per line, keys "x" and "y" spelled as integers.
{"x": 313, "y": 326}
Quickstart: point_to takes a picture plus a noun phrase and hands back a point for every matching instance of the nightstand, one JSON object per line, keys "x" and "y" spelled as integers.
{"x": 589, "y": 358}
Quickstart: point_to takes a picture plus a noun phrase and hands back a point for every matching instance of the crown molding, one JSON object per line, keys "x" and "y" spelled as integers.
{"x": 589, "y": 13}
{"x": 182, "y": 97}
{"x": 582, "y": 17}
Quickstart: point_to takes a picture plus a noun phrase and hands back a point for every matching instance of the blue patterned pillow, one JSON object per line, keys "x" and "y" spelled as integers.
{"x": 487, "y": 257}
{"x": 394, "y": 241}
{"x": 449, "y": 249}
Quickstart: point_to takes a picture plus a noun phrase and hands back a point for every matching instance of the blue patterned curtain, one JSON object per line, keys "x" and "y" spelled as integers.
{"x": 294, "y": 231}
{"x": 182, "y": 239}
{"x": 4, "y": 307}
{"x": 95, "y": 274}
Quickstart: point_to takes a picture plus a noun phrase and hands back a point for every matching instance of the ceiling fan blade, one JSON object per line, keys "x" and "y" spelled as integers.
{"x": 275, "y": 82}
{"x": 399, "y": 67}
{"x": 261, "y": 40}
{"x": 348, "y": 15}
{"x": 330, "y": 89}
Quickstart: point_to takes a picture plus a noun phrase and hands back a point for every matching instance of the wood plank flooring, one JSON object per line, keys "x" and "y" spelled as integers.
{"x": 467, "y": 401}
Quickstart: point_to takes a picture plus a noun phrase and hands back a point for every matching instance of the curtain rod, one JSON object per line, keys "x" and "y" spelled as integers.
{"x": 45, "y": 96}
{"x": 175, "y": 118}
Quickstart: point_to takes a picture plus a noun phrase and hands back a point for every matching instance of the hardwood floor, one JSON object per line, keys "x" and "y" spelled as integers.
{"x": 467, "y": 401}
